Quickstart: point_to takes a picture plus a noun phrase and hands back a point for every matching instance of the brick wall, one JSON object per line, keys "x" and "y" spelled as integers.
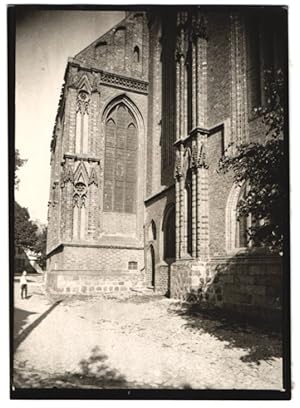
{"x": 257, "y": 130}
{"x": 219, "y": 186}
{"x": 105, "y": 259}
{"x": 115, "y": 50}
{"x": 154, "y": 109}
{"x": 218, "y": 68}
{"x": 55, "y": 261}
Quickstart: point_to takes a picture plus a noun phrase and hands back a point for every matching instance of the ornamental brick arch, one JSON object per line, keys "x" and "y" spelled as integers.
{"x": 124, "y": 98}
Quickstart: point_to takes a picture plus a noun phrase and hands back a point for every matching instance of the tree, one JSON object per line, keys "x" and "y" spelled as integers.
{"x": 25, "y": 229}
{"x": 18, "y": 163}
{"x": 40, "y": 247}
{"x": 28, "y": 234}
{"x": 262, "y": 166}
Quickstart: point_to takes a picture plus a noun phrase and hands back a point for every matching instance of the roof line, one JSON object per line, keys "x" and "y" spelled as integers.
{"x": 99, "y": 38}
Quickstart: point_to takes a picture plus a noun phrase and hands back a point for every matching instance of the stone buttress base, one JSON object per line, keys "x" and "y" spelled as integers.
{"x": 250, "y": 286}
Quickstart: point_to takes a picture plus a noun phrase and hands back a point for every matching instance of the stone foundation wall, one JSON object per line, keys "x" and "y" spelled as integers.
{"x": 92, "y": 282}
{"x": 250, "y": 286}
{"x": 186, "y": 277}
{"x": 162, "y": 277}
{"x": 247, "y": 286}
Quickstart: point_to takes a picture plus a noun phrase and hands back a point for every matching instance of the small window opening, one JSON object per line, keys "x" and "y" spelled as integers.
{"x": 136, "y": 54}
{"x": 132, "y": 265}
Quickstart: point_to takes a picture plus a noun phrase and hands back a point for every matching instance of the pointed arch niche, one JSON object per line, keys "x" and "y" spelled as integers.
{"x": 79, "y": 202}
{"x": 82, "y": 116}
{"x": 121, "y": 160}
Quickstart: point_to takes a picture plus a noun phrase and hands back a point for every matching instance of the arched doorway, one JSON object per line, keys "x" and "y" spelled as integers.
{"x": 169, "y": 234}
{"x": 151, "y": 265}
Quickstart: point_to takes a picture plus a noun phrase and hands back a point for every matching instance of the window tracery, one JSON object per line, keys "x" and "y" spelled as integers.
{"x": 120, "y": 161}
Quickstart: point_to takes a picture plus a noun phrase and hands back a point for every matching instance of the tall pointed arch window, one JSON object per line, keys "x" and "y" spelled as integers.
{"x": 120, "y": 167}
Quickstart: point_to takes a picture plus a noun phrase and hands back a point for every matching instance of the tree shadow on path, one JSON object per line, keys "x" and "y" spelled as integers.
{"x": 260, "y": 344}
{"x": 94, "y": 373}
{"x": 97, "y": 372}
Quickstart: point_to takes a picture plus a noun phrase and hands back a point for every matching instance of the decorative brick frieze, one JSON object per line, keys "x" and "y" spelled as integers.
{"x": 98, "y": 77}
{"x": 84, "y": 157}
{"x": 124, "y": 82}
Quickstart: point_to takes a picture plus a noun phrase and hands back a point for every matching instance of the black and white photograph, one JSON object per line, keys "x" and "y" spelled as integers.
{"x": 149, "y": 202}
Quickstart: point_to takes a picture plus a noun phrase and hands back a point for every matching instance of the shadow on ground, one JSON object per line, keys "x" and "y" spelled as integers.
{"x": 19, "y": 319}
{"x": 260, "y": 344}
{"x": 93, "y": 373}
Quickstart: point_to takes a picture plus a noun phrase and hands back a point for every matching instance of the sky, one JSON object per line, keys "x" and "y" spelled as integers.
{"x": 44, "y": 41}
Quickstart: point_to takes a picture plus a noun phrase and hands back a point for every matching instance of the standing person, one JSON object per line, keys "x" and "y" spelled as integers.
{"x": 23, "y": 285}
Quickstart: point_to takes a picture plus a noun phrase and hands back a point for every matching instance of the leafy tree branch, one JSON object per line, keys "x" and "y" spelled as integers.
{"x": 262, "y": 166}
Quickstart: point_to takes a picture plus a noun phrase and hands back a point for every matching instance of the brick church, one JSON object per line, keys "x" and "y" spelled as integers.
{"x": 146, "y": 112}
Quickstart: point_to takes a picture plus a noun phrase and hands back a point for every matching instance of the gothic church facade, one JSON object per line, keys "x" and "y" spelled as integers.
{"x": 146, "y": 112}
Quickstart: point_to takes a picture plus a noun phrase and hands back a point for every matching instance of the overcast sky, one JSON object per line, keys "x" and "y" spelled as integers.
{"x": 44, "y": 41}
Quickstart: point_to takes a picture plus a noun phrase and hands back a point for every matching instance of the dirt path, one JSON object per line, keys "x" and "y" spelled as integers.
{"x": 147, "y": 342}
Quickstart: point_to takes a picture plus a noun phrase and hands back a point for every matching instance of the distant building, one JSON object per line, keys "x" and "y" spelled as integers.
{"x": 146, "y": 112}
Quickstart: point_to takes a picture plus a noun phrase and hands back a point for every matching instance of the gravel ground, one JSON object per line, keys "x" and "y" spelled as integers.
{"x": 143, "y": 341}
